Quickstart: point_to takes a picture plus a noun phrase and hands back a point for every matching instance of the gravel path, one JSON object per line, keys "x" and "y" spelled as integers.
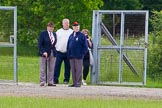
{"x": 63, "y": 91}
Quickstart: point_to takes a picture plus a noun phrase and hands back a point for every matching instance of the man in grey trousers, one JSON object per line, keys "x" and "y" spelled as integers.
{"x": 77, "y": 47}
{"x": 46, "y": 43}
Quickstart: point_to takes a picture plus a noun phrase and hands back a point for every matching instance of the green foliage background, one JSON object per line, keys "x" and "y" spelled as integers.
{"x": 33, "y": 15}
{"x": 155, "y": 45}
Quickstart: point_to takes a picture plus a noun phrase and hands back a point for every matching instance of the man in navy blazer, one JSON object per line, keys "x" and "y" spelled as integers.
{"x": 46, "y": 42}
{"x": 77, "y": 47}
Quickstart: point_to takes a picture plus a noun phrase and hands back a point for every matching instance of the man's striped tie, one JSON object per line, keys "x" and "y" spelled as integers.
{"x": 51, "y": 38}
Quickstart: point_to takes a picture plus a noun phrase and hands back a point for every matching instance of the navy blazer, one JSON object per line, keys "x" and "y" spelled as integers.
{"x": 77, "y": 46}
{"x": 44, "y": 43}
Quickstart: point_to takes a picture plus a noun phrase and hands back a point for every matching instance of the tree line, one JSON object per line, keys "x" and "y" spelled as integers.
{"x": 34, "y": 14}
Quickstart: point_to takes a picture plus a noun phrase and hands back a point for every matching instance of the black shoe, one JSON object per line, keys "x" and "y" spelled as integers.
{"x": 77, "y": 85}
{"x": 71, "y": 85}
{"x": 49, "y": 84}
{"x": 55, "y": 82}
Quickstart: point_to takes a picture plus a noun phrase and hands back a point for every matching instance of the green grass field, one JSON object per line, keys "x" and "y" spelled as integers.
{"x": 28, "y": 71}
{"x": 28, "y": 66}
{"x": 38, "y": 102}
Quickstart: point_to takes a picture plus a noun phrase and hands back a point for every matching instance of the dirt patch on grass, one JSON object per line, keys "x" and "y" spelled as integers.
{"x": 63, "y": 91}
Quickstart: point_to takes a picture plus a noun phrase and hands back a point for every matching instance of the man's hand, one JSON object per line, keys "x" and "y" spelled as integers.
{"x": 45, "y": 54}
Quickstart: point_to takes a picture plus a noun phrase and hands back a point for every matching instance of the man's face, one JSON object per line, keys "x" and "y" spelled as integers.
{"x": 76, "y": 28}
{"x": 50, "y": 28}
{"x": 65, "y": 24}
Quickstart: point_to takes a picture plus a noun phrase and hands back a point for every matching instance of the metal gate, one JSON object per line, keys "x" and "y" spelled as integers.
{"x": 8, "y": 44}
{"x": 120, "y": 41}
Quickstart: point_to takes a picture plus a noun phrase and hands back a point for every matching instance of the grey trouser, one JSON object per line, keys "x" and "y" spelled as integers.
{"x": 76, "y": 68}
{"x": 50, "y": 69}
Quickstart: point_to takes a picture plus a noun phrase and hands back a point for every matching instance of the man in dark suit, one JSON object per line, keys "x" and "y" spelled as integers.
{"x": 46, "y": 43}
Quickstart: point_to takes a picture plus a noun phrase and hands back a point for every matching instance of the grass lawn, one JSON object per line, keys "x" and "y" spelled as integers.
{"x": 28, "y": 66}
{"x": 38, "y": 102}
{"x": 28, "y": 71}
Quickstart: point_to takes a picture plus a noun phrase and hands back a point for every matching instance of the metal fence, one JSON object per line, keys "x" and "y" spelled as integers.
{"x": 120, "y": 41}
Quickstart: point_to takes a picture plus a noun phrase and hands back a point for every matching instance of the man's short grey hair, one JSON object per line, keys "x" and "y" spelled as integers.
{"x": 64, "y": 20}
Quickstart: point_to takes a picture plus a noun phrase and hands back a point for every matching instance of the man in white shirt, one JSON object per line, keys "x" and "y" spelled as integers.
{"x": 61, "y": 49}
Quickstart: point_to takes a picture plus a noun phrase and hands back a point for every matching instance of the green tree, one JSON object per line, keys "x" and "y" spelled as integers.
{"x": 122, "y": 4}
{"x": 152, "y": 5}
{"x": 33, "y": 15}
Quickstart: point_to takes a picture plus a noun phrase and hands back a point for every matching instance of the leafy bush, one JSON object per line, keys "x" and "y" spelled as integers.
{"x": 155, "y": 55}
{"x": 28, "y": 37}
{"x": 155, "y": 47}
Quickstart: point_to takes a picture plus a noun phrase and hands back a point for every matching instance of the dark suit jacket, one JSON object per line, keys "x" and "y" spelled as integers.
{"x": 44, "y": 43}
